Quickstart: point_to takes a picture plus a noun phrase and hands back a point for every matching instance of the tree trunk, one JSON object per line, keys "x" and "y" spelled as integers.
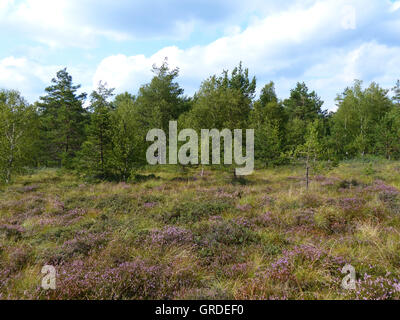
{"x": 307, "y": 176}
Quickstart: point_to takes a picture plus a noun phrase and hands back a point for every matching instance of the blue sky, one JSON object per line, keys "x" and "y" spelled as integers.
{"x": 326, "y": 43}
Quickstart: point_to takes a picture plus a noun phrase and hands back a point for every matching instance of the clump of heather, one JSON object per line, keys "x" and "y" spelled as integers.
{"x": 84, "y": 242}
{"x": 245, "y": 207}
{"x": 5, "y": 278}
{"x": 28, "y": 189}
{"x": 305, "y": 217}
{"x": 381, "y": 187}
{"x": 171, "y": 236}
{"x": 137, "y": 279}
{"x": 215, "y": 218}
{"x": 18, "y": 258}
{"x": 267, "y": 200}
{"x": 237, "y": 270}
{"x": 283, "y": 268}
{"x": 351, "y": 206}
{"x": 73, "y": 216}
{"x": 81, "y": 245}
{"x": 375, "y": 288}
{"x": 387, "y": 194}
{"x": 150, "y": 205}
{"x": 11, "y": 231}
{"x": 221, "y": 194}
{"x": 310, "y": 201}
{"x": 264, "y": 220}
{"x": 232, "y": 232}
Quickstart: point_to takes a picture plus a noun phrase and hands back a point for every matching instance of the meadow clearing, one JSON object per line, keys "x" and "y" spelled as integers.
{"x": 175, "y": 234}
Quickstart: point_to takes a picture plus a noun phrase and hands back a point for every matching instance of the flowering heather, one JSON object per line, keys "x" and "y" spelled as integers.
{"x": 375, "y": 288}
{"x": 27, "y": 189}
{"x": 243, "y": 222}
{"x": 149, "y": 205}
{"x": 215, "y": 218}
{"x": 207, "y": 239}
{"x": 73, "y": 216}
{"x": 305, "y": 217}
{"x": 171, "y": 236}
{"x": 380, "y": 186}
{"x": 18, "y": 258}
{"x": 221, "y": 194}
{"x": 58, "y": 205}
{"x": 283, "y": 268}
{"x": 264, "y": 220}
{"x": 237, "y": 270}
{"x": 350, "y": 205}
{"x": 232, "y": 232}
{"x": 267, "y": 200}
{"x": 83, "y": 243}
{"x": 129, "y": 280}
{"x": 245, "y": 207}
{"x": 11, "y": 230}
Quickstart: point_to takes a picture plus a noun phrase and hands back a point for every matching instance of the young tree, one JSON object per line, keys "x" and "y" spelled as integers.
{"x": 267, "y": 142}
{"x": 161, "y": 100}
{"x": 311, "y": 150}
{"x": 97, "y": 150}
{"x": 17, "y": 133}
{"x": 387, "y": 135}
{"x": 221, "y": 96}
{"x": 302, "y": 108}
{"x": 63, "y": 120}
{"x": 355, "y": 122}
{"x": 268, "y": 119}
{"x": 304, "y": 105}
{"x": 128, "y": 146}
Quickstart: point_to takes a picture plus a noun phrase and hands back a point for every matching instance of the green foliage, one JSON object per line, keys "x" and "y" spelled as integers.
{"x": 107, "y": 141}
{"x": 96, "y": 152}
{"x": 18, "y": 134}
{"x": 128, "y": 147}
{"x": 303, "y": 104}
{"x": 63, "y": 119}
{"x": 221, "y": 96}
{"x": 361, "y": 121}
{"x": 161, "y": 100}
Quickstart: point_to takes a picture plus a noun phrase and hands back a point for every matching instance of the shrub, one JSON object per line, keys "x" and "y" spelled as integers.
{"x": 233, "y": 232}
{"x": 171, "y": 236}
{"x": 193, "y": 211}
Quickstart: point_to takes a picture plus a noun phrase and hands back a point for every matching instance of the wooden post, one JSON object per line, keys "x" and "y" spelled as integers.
{"x": 307, "y": 175}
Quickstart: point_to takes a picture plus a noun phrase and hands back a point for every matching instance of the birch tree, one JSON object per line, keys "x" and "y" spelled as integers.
{"x": 16, "y": 133}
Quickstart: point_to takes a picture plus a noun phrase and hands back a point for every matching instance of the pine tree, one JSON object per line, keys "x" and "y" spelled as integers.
{"x": 303, "y": 104}
{"x": 161, "y": 100}
{"x": 63, "y": 120}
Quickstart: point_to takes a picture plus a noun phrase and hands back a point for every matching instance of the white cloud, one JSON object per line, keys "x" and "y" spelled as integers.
{"x": 301, "y": 43}
{"x": 292, "y": 41}
{"x": 30, "y": 77}
{"x": 54, "y": 23}
{"x": 25, "y": 75}
{"x": 80, "y": 23}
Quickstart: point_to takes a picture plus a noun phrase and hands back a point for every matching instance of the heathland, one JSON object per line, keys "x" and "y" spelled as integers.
{"x": 184, "y": 233}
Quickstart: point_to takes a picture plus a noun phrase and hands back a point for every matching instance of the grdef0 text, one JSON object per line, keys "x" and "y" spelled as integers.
{"x": 221, "y": 310}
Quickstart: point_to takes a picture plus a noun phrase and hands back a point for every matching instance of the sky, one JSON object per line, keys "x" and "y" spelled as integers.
{"x": 325, "y": 43}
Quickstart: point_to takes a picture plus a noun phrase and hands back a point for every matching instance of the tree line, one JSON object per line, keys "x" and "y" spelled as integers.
{"x": 106, "y": 137}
